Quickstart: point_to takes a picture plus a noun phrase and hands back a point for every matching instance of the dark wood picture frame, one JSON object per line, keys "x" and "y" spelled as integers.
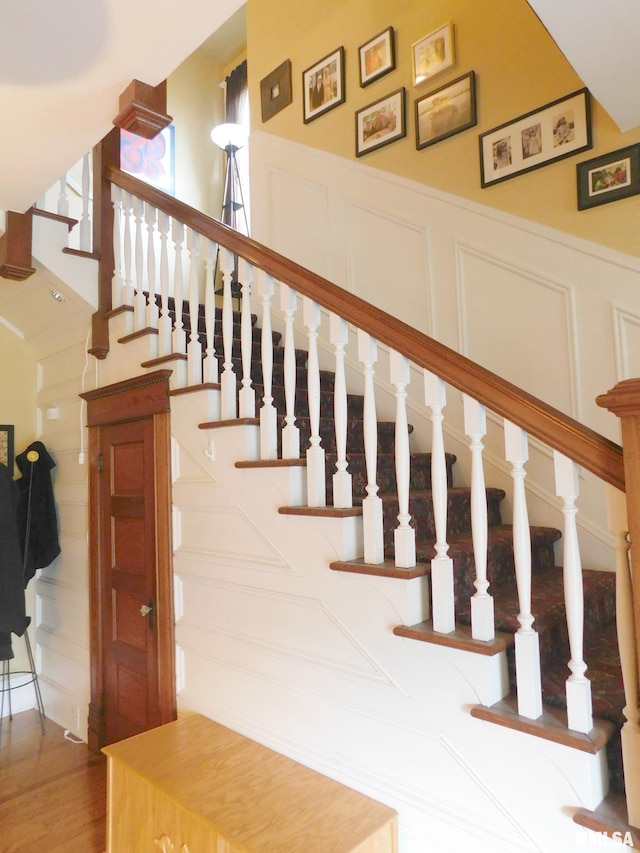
{"x": 275, "y": 90}
{"x": 446, "y": 111}
{"x": 381, "y": 122}
{"x": 553, "y": 132}
{"x": 377, "y": 57}
{"x": 610, "y": 177}
{"x": 7, "y": 446}
{"x": 323, "y": 85}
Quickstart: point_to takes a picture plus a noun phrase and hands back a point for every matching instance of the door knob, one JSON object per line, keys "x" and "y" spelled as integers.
{"x": 146, "y": 609}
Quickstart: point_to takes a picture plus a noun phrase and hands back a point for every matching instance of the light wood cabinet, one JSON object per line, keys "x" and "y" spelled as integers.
{"x": 194, "y": 786}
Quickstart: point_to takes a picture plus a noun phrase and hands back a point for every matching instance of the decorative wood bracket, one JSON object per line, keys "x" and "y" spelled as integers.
{"x": 143, "y": 109}
{"x": 15, "y": 247}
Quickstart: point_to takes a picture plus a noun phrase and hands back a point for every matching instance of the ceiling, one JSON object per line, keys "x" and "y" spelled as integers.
{"x": 63, "y": 66}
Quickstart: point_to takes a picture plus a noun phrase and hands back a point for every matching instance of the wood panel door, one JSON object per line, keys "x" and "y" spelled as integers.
{"x": 132, "y": 652}
{"x": 129, "y": 579}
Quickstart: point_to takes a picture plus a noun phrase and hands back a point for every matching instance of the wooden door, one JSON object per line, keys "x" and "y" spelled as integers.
{"x": 132, "y": 665}
{"x": 129, "y": 579}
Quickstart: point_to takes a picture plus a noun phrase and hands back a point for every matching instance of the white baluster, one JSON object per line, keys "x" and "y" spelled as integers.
{"x": 342, "y": 489}
{"x": 129, "y": 289}
{"x": 179, "y": 334}
{"x": 139, "y": 301}
{"x": 372, "y": 504}
{"x": 247, "y": 394}
{"x": 290, "y": 432}
{"x": 164, "y": 323}
{"x": 316, "y": 482}
{"x": 618, "y": 525}
{"x": 268, "y": 412}
{"x": 228, "y": 402}
{"x": 441, "y": 565}
{"x": 117, "y": 284}
{"x": 194, "y": 349}
{"x": 527, "y": 647}
{"x": 578, "y": 686}
{"x": 482, "y": 618}
{"x": 63, "y": 199}
{"x": 85, "y": 220}
{"x": 210, "y": 361}
{"x": 404, "y": 536}
{"x": 150, "y": 218}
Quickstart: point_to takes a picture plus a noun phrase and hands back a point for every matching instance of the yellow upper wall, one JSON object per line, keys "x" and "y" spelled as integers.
{"x": 18, "y": 388}
{"x": 519, "y": 68}
{"x": 196, "y": 103}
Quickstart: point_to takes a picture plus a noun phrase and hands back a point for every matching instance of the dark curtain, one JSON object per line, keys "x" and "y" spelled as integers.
{"x": 237, "y": 91}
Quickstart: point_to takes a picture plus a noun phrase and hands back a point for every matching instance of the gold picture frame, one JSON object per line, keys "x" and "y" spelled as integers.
{"x": 433, "y": 53}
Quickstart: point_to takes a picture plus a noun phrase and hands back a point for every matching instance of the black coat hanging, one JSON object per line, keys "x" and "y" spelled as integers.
{"x": 37, "y": 518}
{"x": 13, "y": 618}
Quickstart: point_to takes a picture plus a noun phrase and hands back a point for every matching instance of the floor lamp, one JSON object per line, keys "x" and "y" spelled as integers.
{"x": 230, "y": 138}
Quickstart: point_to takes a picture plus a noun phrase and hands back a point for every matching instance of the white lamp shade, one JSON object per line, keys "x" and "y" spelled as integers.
{"x": 225, "y": 135}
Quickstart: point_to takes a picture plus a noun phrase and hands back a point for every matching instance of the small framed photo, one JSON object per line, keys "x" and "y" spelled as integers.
{"x": 609, "y": 177}
{"x": 377, "y": 56}
{"x": 553, "y": 132}
{"x": 446, "y": 111}
{"x": 433, "y": 54}
{"x": 6, "y": 446}
{"x": 381, "y": 122}
{"x": 275, "y": 90}
{"x": 323, "y": 85}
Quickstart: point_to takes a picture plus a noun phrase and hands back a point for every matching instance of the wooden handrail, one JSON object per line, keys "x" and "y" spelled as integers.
{"x": 585, "y": 446}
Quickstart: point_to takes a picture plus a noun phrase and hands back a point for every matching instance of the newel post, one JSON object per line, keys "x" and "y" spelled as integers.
{"x": 624, "y": 401}
{"x": 105, "y": 154}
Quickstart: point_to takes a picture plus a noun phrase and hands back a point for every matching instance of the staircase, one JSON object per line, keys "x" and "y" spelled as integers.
{"x": 239, "y": 353}
{"x": 548, "y": 603}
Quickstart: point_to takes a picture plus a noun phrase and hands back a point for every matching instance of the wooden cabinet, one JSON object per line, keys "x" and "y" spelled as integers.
{"x": 194, "y": 786}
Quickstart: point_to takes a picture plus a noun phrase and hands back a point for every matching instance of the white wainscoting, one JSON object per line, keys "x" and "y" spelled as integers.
{"x": 504, "y": 291}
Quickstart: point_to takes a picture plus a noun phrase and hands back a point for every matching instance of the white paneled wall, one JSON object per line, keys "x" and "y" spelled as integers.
{"x": 557, "y": 316}
{"x": 461, "y": 272}
{"x": 520, "y": 325}
{"x": 62, "y": 589}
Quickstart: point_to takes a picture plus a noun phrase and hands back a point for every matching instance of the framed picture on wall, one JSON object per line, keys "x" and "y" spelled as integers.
{"x": 609, "y": 177}
{"x": 381, "y": 122}
{"x": 553, "y": 132}
{"x": 275, "y": 90}
{"x": 150, "y": 160}
{"x": 377, "y": 56}
{"x": 446, "y": 111}
{"x": 433, "y": 54}
{"x": 6, "y": 446}
{"x": 323, "y": 85}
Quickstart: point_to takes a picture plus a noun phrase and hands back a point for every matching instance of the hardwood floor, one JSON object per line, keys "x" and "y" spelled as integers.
{"x": 52, "y": 791}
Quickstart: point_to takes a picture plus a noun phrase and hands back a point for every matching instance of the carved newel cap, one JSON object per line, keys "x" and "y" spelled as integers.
{"x": 623, "y": 399}
{"x": 143, "y": 109}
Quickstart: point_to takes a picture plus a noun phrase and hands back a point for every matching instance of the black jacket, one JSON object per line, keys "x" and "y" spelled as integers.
{"x": 13, "y": 618}
{"x": 37, "y": 517}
